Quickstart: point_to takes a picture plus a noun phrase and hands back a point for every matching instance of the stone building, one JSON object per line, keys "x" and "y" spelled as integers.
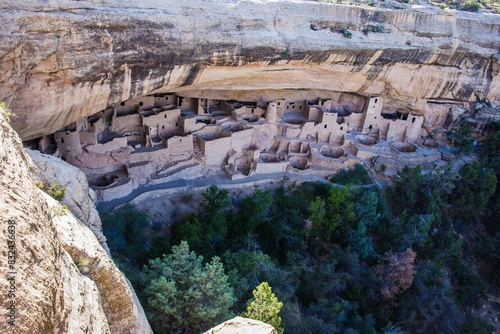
{"x": 146, "y": 137}
{"x": 403, "y": 127}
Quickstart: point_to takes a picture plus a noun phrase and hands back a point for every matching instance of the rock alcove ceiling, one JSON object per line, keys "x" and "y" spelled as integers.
{"x": 65, "y": 60}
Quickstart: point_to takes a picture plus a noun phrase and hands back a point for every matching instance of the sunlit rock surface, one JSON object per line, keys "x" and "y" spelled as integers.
{"x": 241, "y": 325}
{"x": 79, "y": 198}
{"x": 67, "y": 59}
{"x": 64, "y": 281}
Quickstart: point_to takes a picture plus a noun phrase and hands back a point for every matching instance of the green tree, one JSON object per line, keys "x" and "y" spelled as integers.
{"x": 254, "y": 265}
{"x": 183, "y": 295}
{"x": 406, "y": 190}
{"x": 473, "y": 191}
{"x": 366, "y": 210}
{"x": 360, "y": 242}
{"x": 462, "y": 139}
{"x": 248, "y": 267}
{"x": 256, "y": 208}
{"x": 206, "y": 231}
{"x": 415, "y": 192}
{"x": 191, "y": 230}
{"x": 491, "y": 149}
{"x": 357, "y": 175}
{"x": 428, "y": 306}
{"x": 215, "y": 203}
{"x": 265, "y": 307}
{"x": 213, "y": 214}
{"x": 125, "y": 230}
{"x": 284, "y": 231}
{"x": 332, "y": 217}
{"x": 366, "y": 207}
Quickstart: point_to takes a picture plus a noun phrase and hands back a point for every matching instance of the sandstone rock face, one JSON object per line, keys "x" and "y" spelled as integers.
{"x": 241, "y": 325}
{"x": 62, "y": 60}
{"x": 79, "y": 198}
{"x": 63, "y": 280}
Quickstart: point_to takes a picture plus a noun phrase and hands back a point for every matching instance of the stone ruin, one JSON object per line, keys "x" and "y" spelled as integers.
{"x": 152, "y": 137}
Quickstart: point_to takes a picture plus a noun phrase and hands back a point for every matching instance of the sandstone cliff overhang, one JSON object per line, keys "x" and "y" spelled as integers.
{"x": 68, "y": 59}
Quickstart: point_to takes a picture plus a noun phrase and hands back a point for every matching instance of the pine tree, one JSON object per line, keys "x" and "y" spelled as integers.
{"x": 265, "y": 307}
{"x": 333, "y": 217}
{"x": 184, "y": 295}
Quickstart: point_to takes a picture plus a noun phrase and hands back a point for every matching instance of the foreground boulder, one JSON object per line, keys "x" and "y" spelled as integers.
{"x": 241, "y": 325}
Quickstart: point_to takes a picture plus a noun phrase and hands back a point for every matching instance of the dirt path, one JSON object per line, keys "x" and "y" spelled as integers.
{"x": 202, "y": 182}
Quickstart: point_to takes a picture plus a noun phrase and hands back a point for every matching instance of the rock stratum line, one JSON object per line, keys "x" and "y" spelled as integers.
{"x": 65, "y": 60}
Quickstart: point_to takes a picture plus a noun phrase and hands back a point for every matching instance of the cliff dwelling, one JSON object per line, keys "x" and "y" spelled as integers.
{"x": 146, "y": 139}
{"x": 345, "y": 154}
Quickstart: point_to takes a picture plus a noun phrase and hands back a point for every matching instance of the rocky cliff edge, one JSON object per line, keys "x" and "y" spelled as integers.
{"x": 55, "y": 276}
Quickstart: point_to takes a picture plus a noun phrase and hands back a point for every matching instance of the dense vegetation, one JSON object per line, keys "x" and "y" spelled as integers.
{"x": 340, "y": 259}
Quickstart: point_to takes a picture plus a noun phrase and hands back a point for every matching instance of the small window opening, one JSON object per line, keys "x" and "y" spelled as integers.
{"x": 376, "y": 100}
{"x": 141, "y": 103}
{"x": 413, "y": 120}
{"x": 122, "y": 104}
{"x": 326, "y": 126}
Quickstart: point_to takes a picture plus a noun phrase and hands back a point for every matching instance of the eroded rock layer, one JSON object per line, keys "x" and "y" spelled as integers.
{"x": 65, "y": 60}
{"x": 78, "y": 197}
{"x": 56, "y": 277}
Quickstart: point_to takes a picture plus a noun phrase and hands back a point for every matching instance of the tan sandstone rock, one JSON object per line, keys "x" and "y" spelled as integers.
{"x": 79, "y": 198}
{"x": 241, "y": 325}
{"x": 51, "y": 294}
{"x": 62, "y": 60}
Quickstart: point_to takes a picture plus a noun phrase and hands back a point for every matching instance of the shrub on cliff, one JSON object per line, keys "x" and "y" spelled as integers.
{"x": 5, "y": 111}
